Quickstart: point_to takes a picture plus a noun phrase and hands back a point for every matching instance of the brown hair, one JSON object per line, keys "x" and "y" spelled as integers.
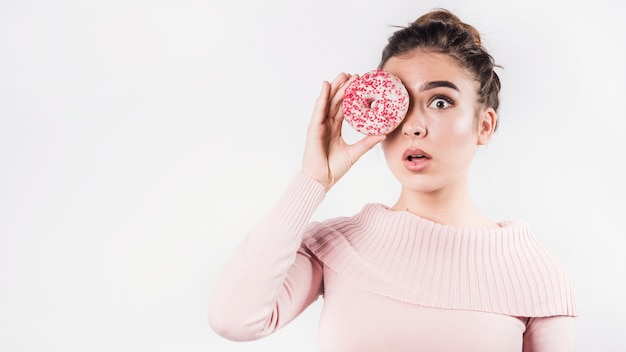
{"x": 442, "y": 32}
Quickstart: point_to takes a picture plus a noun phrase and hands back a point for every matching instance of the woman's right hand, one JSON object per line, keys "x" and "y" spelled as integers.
{"x": 327, "y": 157}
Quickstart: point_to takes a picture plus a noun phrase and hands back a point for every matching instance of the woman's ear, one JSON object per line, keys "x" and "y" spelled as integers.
{"x": 488, "y": 121}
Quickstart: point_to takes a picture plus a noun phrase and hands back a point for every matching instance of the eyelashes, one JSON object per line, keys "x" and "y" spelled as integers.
{"x": 436, "y": 102}
{"x": 440, "y": 102}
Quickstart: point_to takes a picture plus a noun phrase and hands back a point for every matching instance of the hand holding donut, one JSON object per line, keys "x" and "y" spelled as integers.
{"x": 327, "y": 157}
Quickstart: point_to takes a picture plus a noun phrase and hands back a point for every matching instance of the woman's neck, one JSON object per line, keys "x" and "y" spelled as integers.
{"x": 452, "y": 207}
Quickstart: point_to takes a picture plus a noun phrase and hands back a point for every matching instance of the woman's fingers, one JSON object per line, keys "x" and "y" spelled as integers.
{"x": 336, "y": 83}
{"x": 334, "y": 108}
{"x": 359, "y": 148}
{"x": 320, "y": 109}
{"x": 329, "y": 100}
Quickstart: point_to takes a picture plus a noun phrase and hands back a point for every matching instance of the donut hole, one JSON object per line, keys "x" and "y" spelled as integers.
{"x": 370, "y": 103}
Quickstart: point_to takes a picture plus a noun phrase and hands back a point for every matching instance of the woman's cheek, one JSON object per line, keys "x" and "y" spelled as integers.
{"x": 464, "y": 126}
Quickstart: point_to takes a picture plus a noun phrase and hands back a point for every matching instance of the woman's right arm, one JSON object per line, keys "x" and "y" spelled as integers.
{"x": 270, "y": 279}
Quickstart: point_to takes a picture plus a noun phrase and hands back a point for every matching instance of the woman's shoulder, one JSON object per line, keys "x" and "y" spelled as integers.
{"x": 346, "y": 224}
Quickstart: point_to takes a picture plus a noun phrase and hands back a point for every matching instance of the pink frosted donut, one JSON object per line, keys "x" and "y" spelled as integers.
{"x": 375, "y": 103}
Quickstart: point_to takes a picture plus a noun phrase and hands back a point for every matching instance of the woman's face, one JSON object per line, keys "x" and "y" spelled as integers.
{"x": 433, "y": 147}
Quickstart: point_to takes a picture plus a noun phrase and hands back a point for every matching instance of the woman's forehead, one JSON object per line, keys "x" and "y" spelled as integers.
{"x": 418, "y": 68}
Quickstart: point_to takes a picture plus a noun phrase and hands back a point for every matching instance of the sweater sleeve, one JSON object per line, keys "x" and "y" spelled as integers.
{"x": 271, "y": 278}
{"x": 549, "y": 334}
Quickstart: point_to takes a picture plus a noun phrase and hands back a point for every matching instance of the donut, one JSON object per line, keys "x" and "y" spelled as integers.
{"x": 375, "y": 103}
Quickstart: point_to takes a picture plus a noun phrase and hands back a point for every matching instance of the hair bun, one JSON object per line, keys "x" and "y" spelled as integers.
{"x": 445, "y": 16}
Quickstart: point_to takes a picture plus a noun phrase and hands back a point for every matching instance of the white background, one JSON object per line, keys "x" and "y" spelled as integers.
{"x": 141, "y": 140}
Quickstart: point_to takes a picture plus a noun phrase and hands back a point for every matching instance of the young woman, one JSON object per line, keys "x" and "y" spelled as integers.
{"x": 430, "y": 272}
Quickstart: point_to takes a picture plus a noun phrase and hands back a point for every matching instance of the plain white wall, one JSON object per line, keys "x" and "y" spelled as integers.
{"x": 140, "y": 140}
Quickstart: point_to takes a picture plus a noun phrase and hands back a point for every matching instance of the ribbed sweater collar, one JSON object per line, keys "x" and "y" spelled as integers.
{"x": 504, "y": 270}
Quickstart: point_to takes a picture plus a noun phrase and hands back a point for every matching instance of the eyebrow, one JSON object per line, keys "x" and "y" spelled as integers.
{"x": 435, "y": 84}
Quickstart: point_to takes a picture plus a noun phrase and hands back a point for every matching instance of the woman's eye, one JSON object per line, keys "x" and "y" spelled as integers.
{"x": 440, "y": 103}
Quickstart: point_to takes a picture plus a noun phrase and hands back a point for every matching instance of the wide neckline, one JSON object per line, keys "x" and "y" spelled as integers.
{"x": 396, "y": 254}
{"x": 503, "y": 225}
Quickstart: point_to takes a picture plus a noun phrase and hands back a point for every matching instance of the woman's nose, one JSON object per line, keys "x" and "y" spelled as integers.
{"x": 413, "y": 126}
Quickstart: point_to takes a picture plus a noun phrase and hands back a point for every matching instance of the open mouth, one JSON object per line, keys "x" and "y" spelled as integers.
{"x": 415, "y": 155}
{"x": 416, "y": 160}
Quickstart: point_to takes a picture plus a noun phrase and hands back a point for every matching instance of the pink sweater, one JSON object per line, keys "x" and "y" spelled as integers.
{"x": 392, "y": 281}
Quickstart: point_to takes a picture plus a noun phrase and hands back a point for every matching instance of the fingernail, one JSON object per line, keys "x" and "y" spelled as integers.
{"x": 323, "y": 86}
